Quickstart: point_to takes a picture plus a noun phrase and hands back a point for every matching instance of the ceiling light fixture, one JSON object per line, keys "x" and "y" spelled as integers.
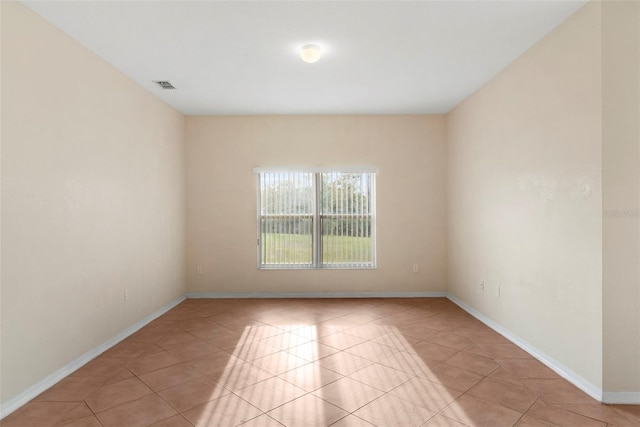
{"x": 310, "y": 53}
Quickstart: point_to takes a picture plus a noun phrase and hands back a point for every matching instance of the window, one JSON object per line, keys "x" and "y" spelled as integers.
{"x": 316, "y": 219}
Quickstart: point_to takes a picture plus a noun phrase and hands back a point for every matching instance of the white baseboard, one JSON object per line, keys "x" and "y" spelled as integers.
{"x": 14, "y": 403}
{"x": 565, "y": 372}
{"x": 315, "y": 294}
{"x": 621, "y": 397}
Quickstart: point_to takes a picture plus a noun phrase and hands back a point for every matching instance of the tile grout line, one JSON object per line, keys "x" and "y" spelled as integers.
{"x": 527, "y": 411}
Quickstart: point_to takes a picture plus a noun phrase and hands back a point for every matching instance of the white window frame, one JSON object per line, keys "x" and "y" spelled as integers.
{"x": 317, "y": 262}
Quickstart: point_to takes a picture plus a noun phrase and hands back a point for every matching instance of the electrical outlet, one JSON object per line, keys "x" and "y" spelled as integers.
{"x": 482, "y": 286}
{"x": 415, "y": 268}
{"x": 199, "y": 269}
{"x": 125, "y": 295}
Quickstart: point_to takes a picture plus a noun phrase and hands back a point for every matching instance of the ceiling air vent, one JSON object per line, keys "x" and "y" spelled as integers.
{"x": 164, "y": 84}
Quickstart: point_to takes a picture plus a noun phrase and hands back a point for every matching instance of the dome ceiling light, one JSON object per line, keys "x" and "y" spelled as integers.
{"x": 310, "y": 53}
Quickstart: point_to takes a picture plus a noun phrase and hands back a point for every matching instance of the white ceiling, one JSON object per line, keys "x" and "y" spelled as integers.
{"x": 240, "y": 57}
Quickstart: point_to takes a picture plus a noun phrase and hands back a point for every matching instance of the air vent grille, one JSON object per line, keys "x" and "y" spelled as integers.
{"x": 164, "y": 84}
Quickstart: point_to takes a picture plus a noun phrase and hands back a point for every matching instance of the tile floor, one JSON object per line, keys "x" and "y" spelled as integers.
{"x": 297, "y": 363}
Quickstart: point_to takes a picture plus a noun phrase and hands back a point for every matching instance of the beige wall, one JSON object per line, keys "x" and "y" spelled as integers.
{"x": 621, "y": 195}
{"x": 92, "y": 201}
{"x": 221, "y": 198}
{"x": 524, "y": 197}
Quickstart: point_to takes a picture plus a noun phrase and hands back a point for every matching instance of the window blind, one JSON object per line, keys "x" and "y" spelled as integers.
{"x": 316, "y": 219}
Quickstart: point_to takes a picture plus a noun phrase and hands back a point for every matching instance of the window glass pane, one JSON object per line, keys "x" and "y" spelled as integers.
{"x": 346, "y": 220}
{"x": 286, "y": 219}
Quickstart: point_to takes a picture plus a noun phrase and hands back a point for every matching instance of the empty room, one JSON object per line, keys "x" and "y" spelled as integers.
{"x": 320, "y": 213}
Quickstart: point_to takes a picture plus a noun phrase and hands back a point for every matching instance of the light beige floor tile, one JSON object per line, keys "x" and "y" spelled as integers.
{"x": 262, "y": 421}
{"x": 193, "y": 393}
{"x": 425, "y": 393}
{"x": 527, "y": 368}
{"x": 177, "y": 340}
{"x": 381, "y": 377}
{"x": 214, "y": 331}
{"x": 284, "y": 341}
{"x": 229, "y": 410}
{"x": 430, "y": 351}
{"x": 149, "y": 363}
{"x": 452, "y": 377}
{"x": 505, "y": 351}
{"x": 511, "y": 396}
{"x": 79, "y": 412}
{"x": 175, "y": 421}
{"x": 440, "y": 421}
{"x": 451, "y": 340}
{"x": 502, "y": 374}
{"x": 395, "y": 339}
{"x": 193, "y": 351}
{"x": 416, "y": 330}
{"x": 630, "y": 411}
{"x": 310, "y": 377}
{"x": 531, "y": 421}
{"x": 141, "y": 412}
{"x": 411, "y": 364}
{"x": 368, "y": 331}
{"x": 279, "y": 363}
{"x": 239, "y": 376}
{"x": 348, "y": 394}
{"x": 341, "y": 340}
{"x": 557, "y": 391}
{"x": 308, "y": 411}
{"x": 352, "y": 421}
{"x": 90, "y": 421}
{"x": 312, "y": 351}
{"x": 271, "y": 393}
{"x": 171, "y": 376}
{"x": 343, "y": 363}
{"x": 604, "y": 413}
{"x": 117, "y": 393}
{"x": 128, "y": 349}
{"x": 216, "y": 363}
{"x": 479, "y": 413}
{"x": 262, "y": 331}
{"x": 72, "y": 389}
{"x": 253, "y": 350}
{"x": 102, "y": 366}
{"x": 390, "y": 411}
{"x": 372, "y": 351}
{"x": 472, "y": 363}
{"x": 41, "y": 414}
{"x": 561, "y": 417}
